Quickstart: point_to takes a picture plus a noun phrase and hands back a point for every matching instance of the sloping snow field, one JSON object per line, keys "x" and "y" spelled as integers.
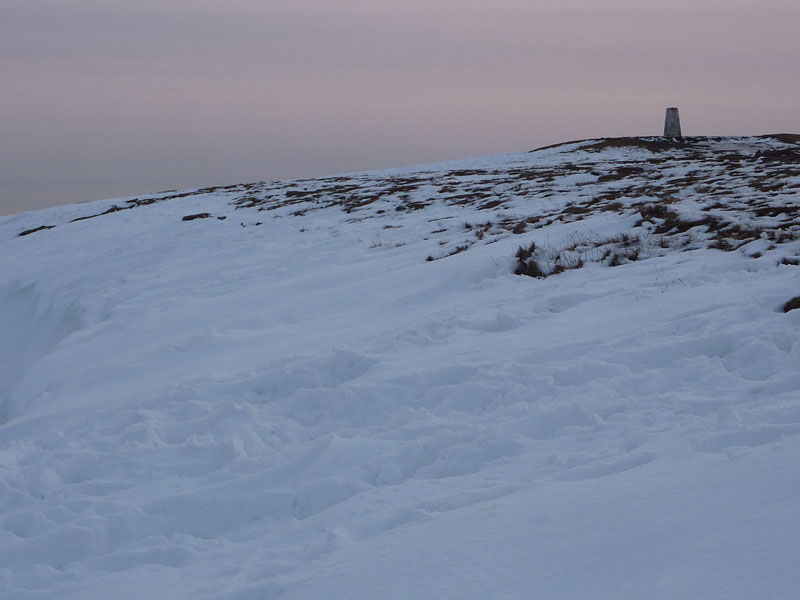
{"x": 338, "y": 388}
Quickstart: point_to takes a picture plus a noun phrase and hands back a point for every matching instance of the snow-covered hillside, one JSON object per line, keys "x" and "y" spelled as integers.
{"x": 338, "y": 388}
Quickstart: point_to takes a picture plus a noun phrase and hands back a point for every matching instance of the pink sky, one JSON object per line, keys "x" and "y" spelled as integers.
{"x": 104, "y": 98}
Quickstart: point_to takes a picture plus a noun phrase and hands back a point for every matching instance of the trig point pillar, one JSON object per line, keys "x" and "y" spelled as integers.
{"x": 672, "y": 123}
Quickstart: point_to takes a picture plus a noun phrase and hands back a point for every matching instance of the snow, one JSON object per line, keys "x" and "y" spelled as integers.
{"x": 293, "y": 402}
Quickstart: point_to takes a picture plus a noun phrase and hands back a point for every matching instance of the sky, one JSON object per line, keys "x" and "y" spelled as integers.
{"x": 113, "y": 98}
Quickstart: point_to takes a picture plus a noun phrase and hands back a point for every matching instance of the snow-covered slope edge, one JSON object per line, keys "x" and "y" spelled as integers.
{"x": 270, "y": 391}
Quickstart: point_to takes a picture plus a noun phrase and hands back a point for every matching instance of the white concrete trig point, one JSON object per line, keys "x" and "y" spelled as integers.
{"x": 672, "y": 123}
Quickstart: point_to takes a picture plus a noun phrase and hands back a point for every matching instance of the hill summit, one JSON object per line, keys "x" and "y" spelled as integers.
{"x": 570, "y": 372}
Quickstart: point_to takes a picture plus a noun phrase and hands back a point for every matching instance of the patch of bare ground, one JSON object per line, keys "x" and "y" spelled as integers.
{"x": 35, "y": 229}
{"x": 792, "y": 304}
{"x": 786, "y": 138}
{"x": 196, "y": 216}
{"x": 729, "y": 191}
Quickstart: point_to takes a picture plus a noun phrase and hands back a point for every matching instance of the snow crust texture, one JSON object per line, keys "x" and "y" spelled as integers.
{"x": 338, "y": 388}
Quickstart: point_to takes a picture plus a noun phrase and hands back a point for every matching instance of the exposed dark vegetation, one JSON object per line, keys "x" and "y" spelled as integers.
{"x": 458, "y": 249}
{"x": 537, "y": 262}
{"x": 196, "y": 216}
{"x": 687, "y": 193}
{"x": 137, "y": 202}
{"x": 30, "y": 231}
{"x": 792, "y": 304}
{"x": 526, "y": 264}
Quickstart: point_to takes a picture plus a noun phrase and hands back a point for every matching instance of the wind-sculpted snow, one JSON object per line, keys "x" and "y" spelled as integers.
{"x": 270, "y": 391}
